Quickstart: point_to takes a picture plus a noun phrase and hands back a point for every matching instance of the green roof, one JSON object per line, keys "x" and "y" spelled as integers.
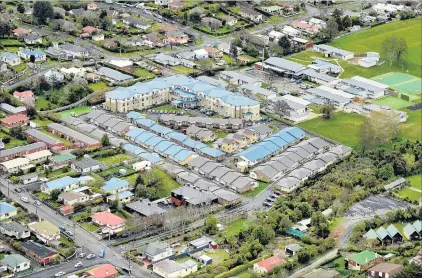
{"x": 392, "y": 230}
{"x": 296, "y": 233}
{"x": 418, "y": 226}
{"x": 371, "y": 234}
{"x": 14, "y": 259}
{"x": 364, "y": 257}
{"x": 382, "y": 233}
{"x": 63, "y": 157}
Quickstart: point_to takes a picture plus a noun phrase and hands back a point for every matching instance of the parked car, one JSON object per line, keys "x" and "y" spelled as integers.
{"x": 267, "y": 204}
{"x": 62, "y": 228}
{"x": 81, "y": 255}
{"x": 102, "y": 253}
{"x": 18, "y": 189}
{"x": 79, "y": 264}
{"x": 24, "y": 199}
{"x": 60, "y": 273}
{"x": 38, "y": 203}
{"x": 90, "y": 256}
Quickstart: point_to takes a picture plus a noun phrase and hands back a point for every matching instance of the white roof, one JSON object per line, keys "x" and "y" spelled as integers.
{"x": 17, "y": 162}
{"x": 275, "y": 34}
{"x": 72, "y": 70}
{"x": 38, "y": 155}
{"x": 300, "y": 40}
{"x": 121, "y": 63}
{"x": 200, "y": 52}
{"x": 290, "y": 29}
{"x": 296, "y": 100}
{"x": 370, "y": 82}
{"x": 336, "y": 92}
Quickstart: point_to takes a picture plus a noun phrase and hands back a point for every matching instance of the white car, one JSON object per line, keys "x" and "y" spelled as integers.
{"x": 90, "y": 256}
{"x": 81, "y": 255}
{"x": 61, "y": 273}
{"x": 79, "y": 264}
{"x": 24, "y": 199}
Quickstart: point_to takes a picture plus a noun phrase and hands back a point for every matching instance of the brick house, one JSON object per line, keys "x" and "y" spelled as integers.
{"x": 44, "y": 255}
{"x": 15, "y": 120}
{"x": 384, "y": 270}
{"x": 364, "y": 260}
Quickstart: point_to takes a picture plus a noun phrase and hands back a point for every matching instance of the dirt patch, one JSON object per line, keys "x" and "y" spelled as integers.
{"x": 415, "y": 107}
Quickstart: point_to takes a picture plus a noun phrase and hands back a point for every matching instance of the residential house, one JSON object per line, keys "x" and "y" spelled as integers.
{"x": 15, "y": 229}
{"x": 15, "y": 121}
{"x": 123, "y": 197}
{"x": 43, "y": 254}
{"x": 198, "y": 10}
{"x": 61, "y": 160}
{"x": 39, "y": 157}
{"x": 189, "y": 196}
{"x": 45, "y": 231}
{"x": 322, "y": 66}
{"x": 111, "y": 223}
{"x": 305, "y": 27}
{"x": 77, "y": 12}
{"x": 251, "y": 14}
{"x": 283, "y": 66}
{"x": 16, "y": 263}
{"x": 413, "y": 231}
{"x": 292, "y": 249}
{"x": 164, "y": 28}
{"x": 26, "y": 97}
{"x": 145, "y": 208}
{"x": 136, "y": 23}
{"x": 171, "y": 269}
{"x": 317, "y": 22}
{"x": 291, "y": 32}
{"x": 115, "y": 185}
{"x": 33, "y": 38}
{"x": 384, "y": 270}
{"x": 156, "y": 251}
{"x": 211, "y": 23}
{"x": 92, "y": 7}
{"x": 70, "y": 198}
{"x": 103, "y": 271}
{"x": 272, "y": 9}
{"x": 10, "y": 58}
{"x": 86, "y": 166}
{"x": 53, "y": 77}
{"x": 3, "y": 66}
{"x": 74, "y": 51}
{"x": 268, "y": 264}
{"x": 230, "y": 20}
{"x": 21, "y": 32}
{"x": 63, "y": 184}
{"x": 364, "y": 260}
{"x": 152, "y": 40}
{"x": 79, "y": 139}
{"x": 16, "y": 165}
{"x": 27, "y": 53}
{"x": 214, "y": 52}
{"x": 30, "y": 178}
{"x": 200, "y": 54}
{"x": 203, "y": 134}
{"x": 275, "y": 35}
{"x": 21, "y": 151}
{"x": 225, "y": 47}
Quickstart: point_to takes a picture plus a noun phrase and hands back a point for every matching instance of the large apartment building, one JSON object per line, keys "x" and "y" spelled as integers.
{"x": 163, "y": 90}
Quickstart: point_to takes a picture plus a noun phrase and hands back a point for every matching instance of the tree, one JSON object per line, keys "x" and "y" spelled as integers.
{"x": 411, "y": 271}
{"x": 21, "y": 8}
{"x": 205, "y": 65}
{"x": 346, "y": 22}
{"x": 386, "y": 172}
{"x": 327, "y": 111}
{"x": 43, "y": 11}
{"x": 211, "y": 225}
{"x": 284, "y": 225}
{"x": 233, "y": 50}
{"x": 332, "y": 28}
{"x": 195, "y": 17}
{"x": 32, "y": 58}
{"x": 5, "y": 28}
{"x": 106, "y": 23}
{"x": 394, "y": 49}
{"x": 285, "y": 45}
{"x": 282, "y": 107}
{"x": 17, "y": 132}
{"x": 105, "y": 141}
{"x": 103, "y": 14}
{"x": 55, "y": 194}
{"x": 320, "y": 223}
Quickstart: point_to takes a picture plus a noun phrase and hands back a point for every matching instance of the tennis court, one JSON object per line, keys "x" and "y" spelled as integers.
{"x": 404, "y": 83}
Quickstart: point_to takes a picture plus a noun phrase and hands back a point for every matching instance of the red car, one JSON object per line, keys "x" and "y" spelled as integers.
{"x": 172, "y": 22}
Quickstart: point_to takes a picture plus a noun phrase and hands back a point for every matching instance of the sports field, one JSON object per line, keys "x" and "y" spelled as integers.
{"x": 393, "y": 102}
{"x": 403, "y": 83}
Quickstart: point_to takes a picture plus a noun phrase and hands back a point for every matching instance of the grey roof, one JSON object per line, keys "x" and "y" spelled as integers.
{"x": 262, "y": 129}
{"x": 41, "y": 250}
{"x": 266, "y": 170}
{"x": 25, "y": 148}
{"x": 14, "y": 226}
{"x": 328, "y": 48}
{"x": 314, "y": 164}
{"x": 72, "y": 48}
{"x": 230, "y": 177}
{"x": 112, "y": 122}
{"x": 288, "y": 182}
{"x": 14, "y": 259}
{"x": 362, "y": 85}
{"x": 327, "y": 157}
{"x": 206, "y": 185}
{"x": 198, "y": 161}
{"x": 209, "y": 167}
{"x": 277, "y": 165}
{"x": 394, "y": 183}
{"x": 200, "y": 241}
{"x": 94, "y": 114}
{"x": 194, "y": 196}
{"x": 188, "y": 177}
{"x": 136, "y": 21}
{"x": 154, "y": 248}
{"x": 11, "y": 109}
{"x": 86, "y": 163}
{"x": 300, "y": 173}
{"x": 318, "y": 143}
{"x": 29, "y": 176}
{"x": 318, "y": 75}
{"x": 72, "y": 133}
{"x": 289, "y": 156}
{"x": 239, "y": 76}
{"x": 219, "y": 172}
{"x": 307, "y": 147}
{"x": 284, "y": 64}
{"x": 113, "y": 74}
{"x": 169, "y": 266}
{"x": 226, "y": 195}
{"x": 145, "y": 207}
{"x": 340, "y": 150}
{"x": 254, "y": 89}
{"x": 294, "y": 247}
{"x": 300, "y": 151}
{"x": 327, "y": 95}
{"x": 241, "y": 182}
{"x": 42, "y": 136}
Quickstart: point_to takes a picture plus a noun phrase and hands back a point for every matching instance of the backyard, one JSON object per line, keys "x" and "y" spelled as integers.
{"x": 13, "y": 141}
{"x": 410, "y": 193}
{"x": 98, "y": 86}
{"x": 184, "y": 70}
{"x": 110, "y": 160}
{"x": 42, "y": 103}
{"x": 416, "y": 181}
{"x": 144, "y": 74}
{"x": 75, "y": 111}
{"x": 66, "y": 142}
{"x": 252, "y": 193}
{"x": 393, "y": 102}
{"x": 235, "y": 227}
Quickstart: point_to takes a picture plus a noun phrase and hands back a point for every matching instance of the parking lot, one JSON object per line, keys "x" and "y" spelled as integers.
{"x": 374, "y": 205}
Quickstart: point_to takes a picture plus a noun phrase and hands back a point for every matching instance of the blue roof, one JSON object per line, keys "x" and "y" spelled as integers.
{"x": 35, "y": 52}
{"x": 144, "y": 137}
{"x": 254, "y": 153}
{"x": 212, "y": 152}
{"x": 133, "y": 149}
{"x": 163, "y": 145}
{"x": 194, "y": 144}
{"x": 60, "y": 183}
{"x": 239, "y": 100}
{"x": 145, "y": 122}
{"x": 9, "y": 55}
{"x": 114, "y": 184}
{"x": 277, "y": 141}
{"x": 218, "y": 93}
{"x": 295, "y": 132}
{"x": 153, "y": 158}
{"x": 201, "y": 86}
{"x": 134, "y": 132}
{"x": 185, "y": 94}
{"x": 161, "y": 129}
{"x": 153, "y": 141}
{"x": 183, "y": 154}
{"x": 6, "y": 208}
{"x": 122, "y": 195}
{"x": 285, "y": 136}
{"x": 269, "y": 146}
{"x": 133, "y": 115}
{"x": 173, "y": 150}
{"x": 177, "y": 136}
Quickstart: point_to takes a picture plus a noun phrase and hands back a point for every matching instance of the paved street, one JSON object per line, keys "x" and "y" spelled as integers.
{"x": 68, "y": 267}
{"x": 82, "y": 237}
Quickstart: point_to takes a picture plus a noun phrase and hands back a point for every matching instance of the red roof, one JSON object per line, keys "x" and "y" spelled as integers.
{"x": 21, "y": 31}
{"x": 24, "y": 94}
{"x": 89, "y": 29}
{"x": 102, "y": 271}
{"x": 107, "y": 218}
{"x": 15, "y": 118}
{"x": 271, "y": 262}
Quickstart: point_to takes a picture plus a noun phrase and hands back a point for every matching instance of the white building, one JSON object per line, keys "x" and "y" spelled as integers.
{"x": 171, "y": 269}
{"x": 330, "y": 51}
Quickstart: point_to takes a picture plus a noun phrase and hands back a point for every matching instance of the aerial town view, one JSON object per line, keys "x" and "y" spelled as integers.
{"x": 211, "y": 139}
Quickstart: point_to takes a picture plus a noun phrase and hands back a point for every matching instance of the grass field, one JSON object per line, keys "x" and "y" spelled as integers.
{"x": 411, "y": 194}
{"x": 235, "y": 227}
{"x": 42, "y": 123}
{"x": 90, "y": 227}
{"x": 75, "y": 111}
{"x": 412, "y": 128}
{"x": 144, "y": 73}
{"x": 98, "y": 86}
{"x": 114, "y": 159}
{"x": 416, "y": 181}
{"x": 167, "y": 108}
{"x": 42, "y": 103}
{"x": 372, "y": 39}
{"x": 252, "y": 193}
{"x": 217, "y": 255}
{"x": 131, "y": 179}
{"x": 66, "y": 142}
{"x": 184, "y": 70}
{"x": 393, "y": 102}
{"x": 13, "y": 141}
{"x": 169, "y": 183}
{"x": 343, "y": 128}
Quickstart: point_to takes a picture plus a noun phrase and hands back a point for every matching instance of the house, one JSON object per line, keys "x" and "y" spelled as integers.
{"x": 15, "y": 229}
{"x": 111, "y": 223}
{"x": 230, "y": 20}
{"x": 39, "y": 157}
{"x": 86, "y": 166}
{"x": 16, "y": 165}
{"x": 189, "y": 196}
{"x": 251, "y": 14}
{"x": 413, "y": 231}
{"x": 239, "y": 78}
{"x": 324, "y": 67}
{"x": 91, "y": 7}
{"x": 203, "y": 134}
{"x": 97, "y": 37}
{"x": 43, "y": 254}
{"x": 291, "y": 32}
{"x": 258, "y": 91}
{"x": 3, "y": 66}
{"x": 214, "y": 52}
{"x": 74, "y": 51}
{"x": 198, "y": 10}
{"x": 115, "y": 185}
{"x": 16, "y": 263}
{"x": 21, "y": 32}
{"x": 136, "y": 23}
{"x": 317, "y": 77}
{"x": 282, "y": 66}
{"x": 11, "y": 110}
{"x": 30, "y": 178}
{"x": 77, "y": 12}
{"x": 145, "y": 208}
{"x": 225, "y": 47}
{"x": 384, "y": 270}
{"x": 156, "y": 251}
{"x": 79, "y": 139}
{"x": 305, "y": 27}
{"x": 70, "y": 198}
{"x": 45, "y": 231}
{"x": 64, "y": 184}
{"x": 141, "y": 165}
{"x": 211, "y": 23}
{"x": 275, "y": 35}
{"x": 166, "y": 60}
{"x": 263, "y": 130}
{"x": 330, "y": 51}
{"x": 273, "y": 9}
{"x": 200, "y": 54}
{"x": 123, "y": 197}
{"x": 164, "y": 28}
{"x": 33, "y": 38}
{"x": 171, "y": 269}
{"x": 61, "y": 160}
{"x": 267, "y": 264}
{"x": 89, "y": 30}
{"x": 322, "y": 273}
{"x": 10, "y": 58}
{"x": 113, "y": 75}
{"x": 317, "y": 22}
{"x": 201, "y": 243}
{"x": 292, "y": 249}
{"x": 38, "y": 54}
{"x": 53, "y": 77}
{"x": 15, "y": 121}
{"x": 103, "y": 271}
{"x": 364, "y": 260}
{"x": 25, "y": 96}
{"x": 152, "y": 40}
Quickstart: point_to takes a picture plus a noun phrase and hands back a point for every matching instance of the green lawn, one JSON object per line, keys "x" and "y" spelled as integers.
{"x": 343, "y": 128}
{"x": 275, "y": 19}
{"x": 113, "y": 170}
{"x": 90, "y": 226}
{"x": 58, "y": 174}
{"x": 114, "y": 159}
{"x": 169, "y": 183}
{"x": 66, "y": 142}
{"x": 184, "y": 70}
{"x": 13, "y": 141}
{"x": 167, "y": 108}
{"x": 218, "y": 256}
{"x": 372, "y": 40}
{"x": 98, "y": 86}
{"x": 220, "y": 133}
{"x": 235, "y": 227}
{"x": 77, "y": 111}
{"x": 416, "y": 181}
{"x": 7, "y": 42}
{"x": 252, "y": 193}
{"x": 42, "y": 123}
{"x": 226, "y": 58}
{"x": 244, "y": 274}
{"x": 412, "y": 128}
{"x": 131, "y": 179}
{"x": 393, "y": 102}
{"x": 144, "y": 73}
{"x": 42, "y": 103}
{"x": 411, "y": 194}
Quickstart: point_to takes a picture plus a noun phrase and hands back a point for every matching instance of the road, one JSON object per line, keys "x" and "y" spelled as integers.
{"x": 68, "y": 267}
{"x": 82, "y": 237}
{"x": 318, "y": 262}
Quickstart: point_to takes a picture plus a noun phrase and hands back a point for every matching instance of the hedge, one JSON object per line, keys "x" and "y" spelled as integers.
{"x": 239, "y": 268}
